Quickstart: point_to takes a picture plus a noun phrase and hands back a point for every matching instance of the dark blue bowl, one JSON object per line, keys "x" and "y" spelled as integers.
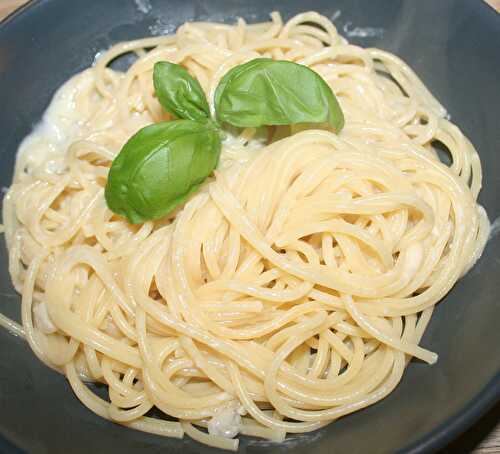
{"x": 452, "y": 44}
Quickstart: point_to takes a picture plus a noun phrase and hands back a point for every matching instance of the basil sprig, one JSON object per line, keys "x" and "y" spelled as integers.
{"x": 163, "y": 164}
{"x": 273, "y": 92}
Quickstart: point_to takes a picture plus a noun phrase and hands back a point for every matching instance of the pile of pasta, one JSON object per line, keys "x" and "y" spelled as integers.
{"x": 293, "y": 289}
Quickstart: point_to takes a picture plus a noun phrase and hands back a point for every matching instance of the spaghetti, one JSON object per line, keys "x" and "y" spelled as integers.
{"x": 293, "y": 289}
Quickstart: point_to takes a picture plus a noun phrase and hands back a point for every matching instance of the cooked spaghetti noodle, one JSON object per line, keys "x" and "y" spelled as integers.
{"x": 293, "y": 289}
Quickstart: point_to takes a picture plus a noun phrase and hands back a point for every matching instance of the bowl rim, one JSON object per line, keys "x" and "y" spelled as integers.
{"x": 432, "y": 441}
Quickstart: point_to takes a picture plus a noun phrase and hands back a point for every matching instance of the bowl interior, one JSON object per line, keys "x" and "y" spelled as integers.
{"x": 451, "y": 44}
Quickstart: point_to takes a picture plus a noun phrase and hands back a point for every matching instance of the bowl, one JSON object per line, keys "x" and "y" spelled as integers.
{"x": 451, "y": 44}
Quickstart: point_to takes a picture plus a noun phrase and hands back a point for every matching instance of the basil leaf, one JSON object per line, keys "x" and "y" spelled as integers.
{"x": 179, "y": 93}
{"x": 275, "y": 92}
{"x": 160, "y": 167}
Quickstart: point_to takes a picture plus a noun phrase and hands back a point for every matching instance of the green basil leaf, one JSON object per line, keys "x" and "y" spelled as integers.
{"x": 160, "y": 167}
{"x": 275, "y": 92}
{"x": 179, "y": 93}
